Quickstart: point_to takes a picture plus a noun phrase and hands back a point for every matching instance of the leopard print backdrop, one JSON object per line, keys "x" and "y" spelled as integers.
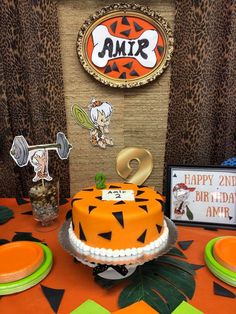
{"x": 202, "y": 109}
{"x": 31, "y": 89}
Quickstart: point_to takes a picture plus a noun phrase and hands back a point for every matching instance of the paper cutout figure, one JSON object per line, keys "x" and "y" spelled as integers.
{"x": 181, "y": 193}
{"x": 39, "y": 160}
{"x": 97, "y": 121}
{"x": 37, "y": 155}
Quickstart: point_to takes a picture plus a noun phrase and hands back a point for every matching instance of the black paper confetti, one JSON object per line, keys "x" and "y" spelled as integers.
{"x": 63, "y": 201}
{"x": 30, "y": 213}
{"x": 24, "y": 236}
{"x": 185, "y": 244}
{"x": 196, "y": 267}
{"x": 54, "y": 296}
{"x": 220, "y": 290}
{"x": 4, "y": 241}
{"x": 21, "y": 201}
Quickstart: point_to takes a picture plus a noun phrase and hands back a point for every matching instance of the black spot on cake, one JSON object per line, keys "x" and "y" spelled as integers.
{"x": 139, "y": 192}
{"x": 74, "y": 200}
{"x": 137, "y": 27}
{"x": 142, "y": 186}
{"x": 144, "y": 207}
{"x": 159, "y": 228}
{"x": 107, "y": 69}
{"x": 91, "y": 208}
{"x": 89, "y": 190}
{"x": 99, "y": 198}
{"x": 119, "y": 203}
{"x": 142, "y": 237}
{"x": 125, "y": 21}
{"x": 113, "y": 26}
{"x": 126, "y": 32}
{"x": 114, "y": 187}
{"x": 115, "y": 67}
{"x": 69, "y": 214}
{"x": 81, "y": 233}
{"x": 119, "y": 217}
{"x": 128, "y": 65}
{"x": 162, "y": 203}
{"x": 106, "y": 235}
{"x": 141, "y": 199}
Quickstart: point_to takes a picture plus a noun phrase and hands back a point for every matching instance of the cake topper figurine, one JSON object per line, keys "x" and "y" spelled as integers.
{"x": 97, "y": 121}
{"x": 37, "y": 155}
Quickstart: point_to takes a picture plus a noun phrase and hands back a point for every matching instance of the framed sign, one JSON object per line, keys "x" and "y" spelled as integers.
{"x": 202, "y": 196}
{"x": 125, "y": 45}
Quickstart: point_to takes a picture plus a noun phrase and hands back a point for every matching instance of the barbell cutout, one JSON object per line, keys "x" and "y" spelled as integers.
{"x": 20, "y": 148}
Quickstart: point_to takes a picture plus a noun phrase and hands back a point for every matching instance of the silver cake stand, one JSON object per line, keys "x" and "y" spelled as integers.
{"x": 130, "y": 263}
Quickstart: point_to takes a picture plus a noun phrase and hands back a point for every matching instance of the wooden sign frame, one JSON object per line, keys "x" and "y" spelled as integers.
{"x": 135, "y": 45}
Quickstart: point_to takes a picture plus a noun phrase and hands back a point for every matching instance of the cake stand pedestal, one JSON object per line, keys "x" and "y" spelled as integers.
{"x": 130, "y": 264}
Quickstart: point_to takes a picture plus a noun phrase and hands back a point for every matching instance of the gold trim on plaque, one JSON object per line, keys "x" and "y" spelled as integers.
{"x": 120, "y": 9}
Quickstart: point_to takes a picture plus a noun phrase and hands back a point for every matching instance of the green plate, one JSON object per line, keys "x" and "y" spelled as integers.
{"x": 217, "y": 269}
{"x": 31, "y": 280}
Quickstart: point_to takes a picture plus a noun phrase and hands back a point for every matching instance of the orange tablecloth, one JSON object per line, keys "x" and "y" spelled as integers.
{"x": 77, "y": 279}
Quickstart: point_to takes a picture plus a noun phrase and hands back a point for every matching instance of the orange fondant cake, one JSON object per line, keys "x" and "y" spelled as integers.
{"x": 121, "y": 220}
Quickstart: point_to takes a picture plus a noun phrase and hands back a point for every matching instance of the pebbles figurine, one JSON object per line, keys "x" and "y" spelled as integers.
{"x": 97, "y": 121}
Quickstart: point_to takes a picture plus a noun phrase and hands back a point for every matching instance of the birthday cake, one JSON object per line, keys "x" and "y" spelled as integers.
{"x": 123, "y": 220}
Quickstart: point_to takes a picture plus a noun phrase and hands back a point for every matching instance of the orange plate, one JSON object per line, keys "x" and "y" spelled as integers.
{"x": 19, "y": 259}
{"x": 224, "y": 252}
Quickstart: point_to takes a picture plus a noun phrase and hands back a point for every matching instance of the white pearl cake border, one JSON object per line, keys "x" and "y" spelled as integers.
{"x": 109, "y": 255}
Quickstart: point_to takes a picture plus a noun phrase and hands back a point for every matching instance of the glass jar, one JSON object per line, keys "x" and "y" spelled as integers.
{"x": 44, "y": 199}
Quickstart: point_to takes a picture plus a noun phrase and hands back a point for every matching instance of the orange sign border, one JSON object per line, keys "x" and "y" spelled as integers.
{"x": 132, "y": 10}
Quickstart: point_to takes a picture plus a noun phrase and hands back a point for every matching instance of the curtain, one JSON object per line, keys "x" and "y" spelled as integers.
{"x": 202, "y": 109}
{"x": 31, "y": 90}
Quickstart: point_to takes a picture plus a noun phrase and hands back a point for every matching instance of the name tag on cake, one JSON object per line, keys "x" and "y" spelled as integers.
{"x": 120, "y": 195}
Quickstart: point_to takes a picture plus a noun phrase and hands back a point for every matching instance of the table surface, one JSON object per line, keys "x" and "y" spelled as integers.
{"x": 77, "y": 279}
